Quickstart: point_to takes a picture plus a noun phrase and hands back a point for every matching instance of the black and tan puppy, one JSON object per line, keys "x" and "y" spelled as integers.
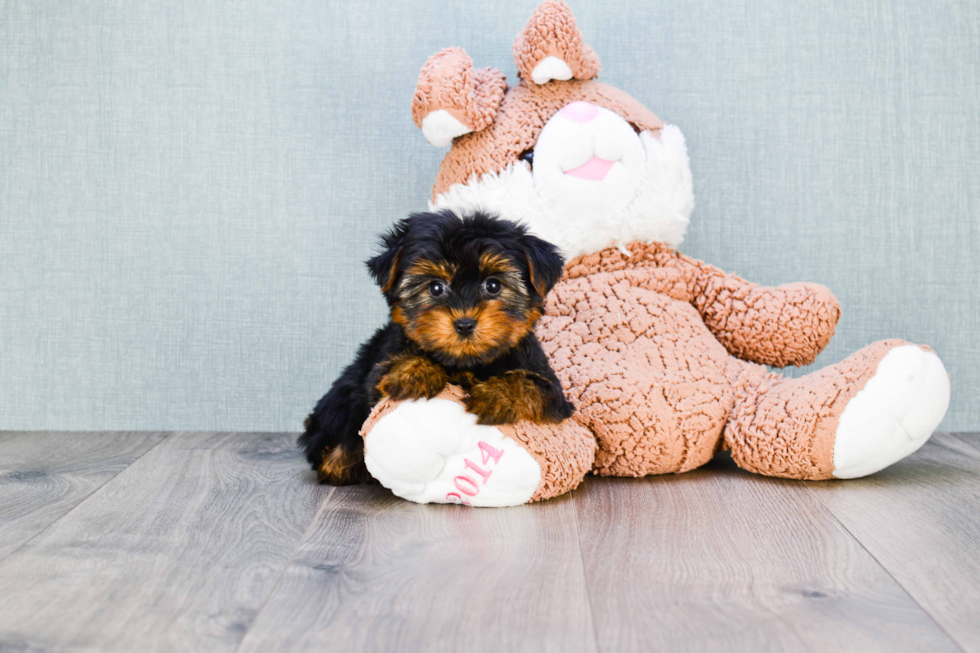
{"x": 464, "y": 295}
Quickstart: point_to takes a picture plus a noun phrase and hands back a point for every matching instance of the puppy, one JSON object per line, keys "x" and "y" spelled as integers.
{"x": 464, "y": 294}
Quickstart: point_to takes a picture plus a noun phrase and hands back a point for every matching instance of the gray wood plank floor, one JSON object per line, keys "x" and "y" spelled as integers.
{"x": 921, "y": 521}
{"x": 405, "y": 577}
{"x": 716, "y": 559}
{"x": 177, "y": 552}
{"x": 44, "y": 475}
{"x": 204, "y": 541}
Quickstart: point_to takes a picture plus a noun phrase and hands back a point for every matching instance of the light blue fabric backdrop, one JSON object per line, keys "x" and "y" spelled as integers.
{"x": 187, "y": 189}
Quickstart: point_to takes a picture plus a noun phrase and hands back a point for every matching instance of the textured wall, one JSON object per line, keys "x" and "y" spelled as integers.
{"x": 187, "y": 189}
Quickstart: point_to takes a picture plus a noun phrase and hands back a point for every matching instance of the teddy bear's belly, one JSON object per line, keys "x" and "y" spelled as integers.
{"x": 646, "y": 376}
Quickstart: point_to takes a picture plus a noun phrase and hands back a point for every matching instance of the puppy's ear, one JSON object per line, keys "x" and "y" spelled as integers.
{"x": 384, "y": 267}
{"x": 544, "y": 264}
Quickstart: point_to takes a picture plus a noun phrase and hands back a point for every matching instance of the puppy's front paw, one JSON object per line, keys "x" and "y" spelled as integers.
{"x": 505, "y": 399}
{"x": 413, "y": 377}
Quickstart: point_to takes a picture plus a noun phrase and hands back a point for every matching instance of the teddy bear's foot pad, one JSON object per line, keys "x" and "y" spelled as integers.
{"x": 433, "y": 451}
{"x": 894, "y": 414}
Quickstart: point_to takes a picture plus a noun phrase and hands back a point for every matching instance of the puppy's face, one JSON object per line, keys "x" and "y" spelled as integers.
{"x": 469, "y": 290}
{"x": 465, "y": 311}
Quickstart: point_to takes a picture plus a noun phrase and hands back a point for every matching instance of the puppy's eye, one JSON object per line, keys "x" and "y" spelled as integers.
{"x": 528, "y": 156}
{"x": 492, "y": 286}
{"x": 437, "y": 288}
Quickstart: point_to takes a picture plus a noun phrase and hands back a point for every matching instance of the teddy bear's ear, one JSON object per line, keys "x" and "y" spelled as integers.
{"x": 551, "y": 47}
{"x": 452, "y": 98}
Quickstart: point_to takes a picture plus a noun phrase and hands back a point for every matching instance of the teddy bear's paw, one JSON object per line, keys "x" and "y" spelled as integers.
{"x": 894, "y": 414}
{"x": 433, "y": 451}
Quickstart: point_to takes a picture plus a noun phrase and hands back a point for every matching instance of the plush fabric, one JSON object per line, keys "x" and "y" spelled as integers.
{"x": 654, "y": 374}
{"x": 663, "y": 355}
{"x": 553, "y": 33}
{"x": 448, "y": 82}
{"x": 788, "y": 325}
{"x": 522, "y": 115}
{"x": 419, "y": 465}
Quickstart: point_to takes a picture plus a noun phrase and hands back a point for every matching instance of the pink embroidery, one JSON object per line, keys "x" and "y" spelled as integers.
{"x": 489, "y": 452}
{"x": 470, "y": 492}
{"x": 485, "y": 473}
{"x": 466, "y": 485}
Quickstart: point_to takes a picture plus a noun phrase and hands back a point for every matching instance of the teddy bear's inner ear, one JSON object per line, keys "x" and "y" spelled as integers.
{"x": 452, "y": 98}
{"x": 551, "y": 46}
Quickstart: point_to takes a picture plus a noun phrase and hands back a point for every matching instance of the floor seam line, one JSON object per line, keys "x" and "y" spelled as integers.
{"x": 907, "y": 591}
{"x": 585, "y": 575}
{"x": 285, "y": 567}
{"x": 167, "y": 436}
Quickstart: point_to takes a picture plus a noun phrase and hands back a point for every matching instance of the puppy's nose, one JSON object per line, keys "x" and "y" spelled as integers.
{"x": 464, "y": 326}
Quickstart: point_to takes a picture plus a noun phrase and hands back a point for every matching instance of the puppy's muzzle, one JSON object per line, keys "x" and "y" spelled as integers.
{"x": 464, "y": 326}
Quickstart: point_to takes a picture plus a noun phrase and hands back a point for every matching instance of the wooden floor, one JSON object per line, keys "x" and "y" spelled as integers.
{"x": 222, "y": 542}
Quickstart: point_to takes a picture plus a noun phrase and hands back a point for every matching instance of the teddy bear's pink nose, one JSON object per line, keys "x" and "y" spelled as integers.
{"x": 580, "y": 111}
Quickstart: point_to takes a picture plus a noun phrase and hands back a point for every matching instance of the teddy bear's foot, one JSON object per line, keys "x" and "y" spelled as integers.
{"x": 847, "y": 420}
{"x": 894, "y": 414}
{"x": 433, "y": 451}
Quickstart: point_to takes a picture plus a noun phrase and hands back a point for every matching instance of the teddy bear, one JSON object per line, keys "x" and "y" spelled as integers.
{"x": 664, "y": 357}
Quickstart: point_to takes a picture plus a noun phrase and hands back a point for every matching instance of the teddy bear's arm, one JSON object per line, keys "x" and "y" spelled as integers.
{"x": 778, "y": 326}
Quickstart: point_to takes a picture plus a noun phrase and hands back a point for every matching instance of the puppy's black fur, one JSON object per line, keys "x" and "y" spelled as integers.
{"x": 463, "y": 295}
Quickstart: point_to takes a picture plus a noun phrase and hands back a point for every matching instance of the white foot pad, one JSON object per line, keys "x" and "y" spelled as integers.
{"x": 433, "y": 451}
{"x": 894, "y": 414}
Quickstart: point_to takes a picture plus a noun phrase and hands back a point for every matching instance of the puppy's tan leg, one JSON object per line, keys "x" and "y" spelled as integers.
{"x": 412, "y": 377}
{"x": 341, "y": 466}
{"x": 507, "y": 399}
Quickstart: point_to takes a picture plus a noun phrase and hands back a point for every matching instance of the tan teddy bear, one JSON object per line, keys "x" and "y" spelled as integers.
{"x": 662, "y": 355}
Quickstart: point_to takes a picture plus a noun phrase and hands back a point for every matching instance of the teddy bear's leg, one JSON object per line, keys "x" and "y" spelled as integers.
{"x": 433, "y": 451}
{"x": 845, "y": 421}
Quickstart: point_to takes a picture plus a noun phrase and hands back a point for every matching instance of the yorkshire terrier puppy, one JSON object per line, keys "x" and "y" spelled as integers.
{"x": 463, "y": 295}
